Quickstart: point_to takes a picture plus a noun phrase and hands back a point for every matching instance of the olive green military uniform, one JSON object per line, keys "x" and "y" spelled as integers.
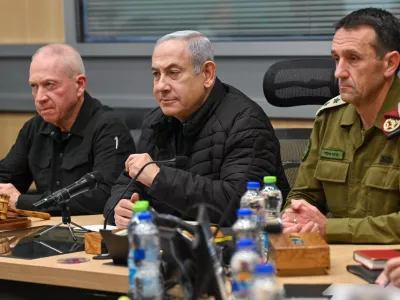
{"x": 352, "y": 175}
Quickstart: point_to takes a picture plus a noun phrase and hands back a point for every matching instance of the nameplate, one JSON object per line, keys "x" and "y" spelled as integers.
{"x": 332, "y": 154}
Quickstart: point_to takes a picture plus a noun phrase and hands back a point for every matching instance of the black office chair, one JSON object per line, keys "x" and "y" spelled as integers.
{"x": 295, "y": 83}
{"x": 133, "y": 118}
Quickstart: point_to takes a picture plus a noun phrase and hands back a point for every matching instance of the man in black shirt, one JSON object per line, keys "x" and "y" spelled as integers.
{"x": 73, "y": 134}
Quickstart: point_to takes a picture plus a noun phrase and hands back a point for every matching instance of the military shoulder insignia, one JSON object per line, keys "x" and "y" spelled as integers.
{"x": 337, "y": 101}
{"x": 391, "y": 121}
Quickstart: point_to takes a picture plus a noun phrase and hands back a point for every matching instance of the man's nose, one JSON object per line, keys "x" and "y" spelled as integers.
{"x": 41, "y": 95}
{"x": 341, "y": 70}
{"x": 163, "y": 84}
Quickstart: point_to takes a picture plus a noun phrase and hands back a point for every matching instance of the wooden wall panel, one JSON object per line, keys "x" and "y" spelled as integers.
{"x": 11, "y": 124}
{"x": 31, "y": 21}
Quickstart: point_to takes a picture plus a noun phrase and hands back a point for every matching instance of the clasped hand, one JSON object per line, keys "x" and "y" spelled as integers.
{"x": 301, "y": 216}
{"x": 135, "y": 162}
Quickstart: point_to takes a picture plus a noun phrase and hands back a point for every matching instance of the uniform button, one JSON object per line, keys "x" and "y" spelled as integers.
{"x": 52, "y": 133}
{"x": 61, "y": 155}
{"x": 57, "y": 183}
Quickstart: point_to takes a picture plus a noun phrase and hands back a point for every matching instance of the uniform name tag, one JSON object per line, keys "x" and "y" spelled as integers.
{"x": 332, "y": 154}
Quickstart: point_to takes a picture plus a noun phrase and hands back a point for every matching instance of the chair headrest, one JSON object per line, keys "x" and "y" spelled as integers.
{"x": 300, "y": 82}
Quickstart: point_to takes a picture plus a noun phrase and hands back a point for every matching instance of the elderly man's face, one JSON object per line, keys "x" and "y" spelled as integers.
{"x": 359, "y": 70}
{"x": 177, "y": 89}
{"x": 55, "y": 92}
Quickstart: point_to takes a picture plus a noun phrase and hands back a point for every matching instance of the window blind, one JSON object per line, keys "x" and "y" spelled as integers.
{"x": 230, "y": 20}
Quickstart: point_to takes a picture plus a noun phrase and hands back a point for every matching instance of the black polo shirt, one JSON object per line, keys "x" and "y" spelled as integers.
{"x": 53, "y": 159}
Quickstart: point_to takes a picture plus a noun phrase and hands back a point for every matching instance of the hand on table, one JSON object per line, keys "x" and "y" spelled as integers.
{"x": 301, "y": 216}
{"x": 9, "y": 189}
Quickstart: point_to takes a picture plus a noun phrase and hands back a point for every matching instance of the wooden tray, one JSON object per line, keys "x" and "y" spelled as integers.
{"x": 12, "y": 223}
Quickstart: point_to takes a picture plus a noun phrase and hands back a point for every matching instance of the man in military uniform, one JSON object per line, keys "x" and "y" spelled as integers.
{"x": 347, "y": 187}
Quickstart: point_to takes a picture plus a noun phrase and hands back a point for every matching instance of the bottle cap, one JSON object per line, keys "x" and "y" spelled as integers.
{"x": 244, "y": 212}
{"x": 140, "y": 206}
{"x": 253, "y": 185}
{"x": 245, "y": 243}
{"x": 145, "y": 216}
{"x": 269, "y": 179}
{"x": 264, "y": 269}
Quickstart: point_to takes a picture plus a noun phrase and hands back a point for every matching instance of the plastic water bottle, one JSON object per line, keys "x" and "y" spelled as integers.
{"x": 265, "y": 286}
{"x": 243, "y": 263}
{"x": 253, "y": 189}
{"x": 247, "y": 227}
{"x": 138, "y": 208}
{"x": 148, "y": 281}
{"x": 255, "y": 201}
{"x": 273, "y": 203}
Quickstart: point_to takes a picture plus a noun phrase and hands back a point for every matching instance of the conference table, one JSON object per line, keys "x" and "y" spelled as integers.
{"x": 103, "y": 275}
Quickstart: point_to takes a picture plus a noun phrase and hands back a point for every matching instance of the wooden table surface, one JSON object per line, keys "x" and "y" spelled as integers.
{"x": 103, "y": 275}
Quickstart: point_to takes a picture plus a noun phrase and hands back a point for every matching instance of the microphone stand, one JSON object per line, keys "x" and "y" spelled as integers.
{"x": 66, "y": 219}
{"x": 104, "y": 254}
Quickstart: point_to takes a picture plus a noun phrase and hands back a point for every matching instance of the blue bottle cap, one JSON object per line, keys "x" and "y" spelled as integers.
{"x": 253, "y": 185}
{"x": 145, "y": 216}
{"x": 245, "y": 243}
{"x": 266, "y": 269}
{"x": 244, "y": 212}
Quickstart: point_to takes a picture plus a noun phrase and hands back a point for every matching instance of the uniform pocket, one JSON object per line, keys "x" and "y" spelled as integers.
{"x": 40, "y": 165}
{"x": 77, "y": 160}
{"x": 333, "y": 175}
{"x": 382, "y": 189}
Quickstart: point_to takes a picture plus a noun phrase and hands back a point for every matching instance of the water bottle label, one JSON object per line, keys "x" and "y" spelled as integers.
{"x": 139, "y": 254}
{"x": 241, "y": 286}
{"x": 132, "y": 273}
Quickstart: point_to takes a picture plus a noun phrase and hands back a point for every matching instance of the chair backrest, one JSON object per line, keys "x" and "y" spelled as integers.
{"x": 295, "y": 83}
{"x": 133, "y": 117}
{"x": 300, "y": 82}
{"x": 293, "y": 142}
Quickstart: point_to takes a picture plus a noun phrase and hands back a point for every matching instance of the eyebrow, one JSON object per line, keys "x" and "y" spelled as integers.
{"x": 173, "y": 65}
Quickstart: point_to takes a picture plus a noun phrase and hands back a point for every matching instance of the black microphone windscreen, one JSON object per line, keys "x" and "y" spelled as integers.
{"x": 94, "y": 178}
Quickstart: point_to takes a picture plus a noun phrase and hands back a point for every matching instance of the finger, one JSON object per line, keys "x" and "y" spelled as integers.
{"x": 394, "y": 276}
{"x": 121, "y": 222}
{"x": 296, "y": 204}
{"x": 124, "y": 208}
{"x": 288, "y": 224}
{"x": 134, "y": 197}
{"x": 382, "y": 279}
{"x": 392, "y": 264}
{"x": 315, "y": 228}
{"x": 288, "y": 211}
{"x": 307, "y": 227}
{"x": 292, "y": 229}
{"x": 129, "y": 161}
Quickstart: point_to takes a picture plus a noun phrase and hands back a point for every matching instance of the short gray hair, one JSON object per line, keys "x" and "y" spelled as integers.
{"x": 199, "y": 46}
{"x": 71, "y": 58}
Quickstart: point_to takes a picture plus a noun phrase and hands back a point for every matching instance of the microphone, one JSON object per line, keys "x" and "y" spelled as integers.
{"x": 176, "y": 161}
{"x": 86, "y": 183}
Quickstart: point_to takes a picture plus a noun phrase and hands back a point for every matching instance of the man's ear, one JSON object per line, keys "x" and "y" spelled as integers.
{"x": 392, "y": 61}
{"x": 80, "y": 81}
{"x": 209, "y": 72}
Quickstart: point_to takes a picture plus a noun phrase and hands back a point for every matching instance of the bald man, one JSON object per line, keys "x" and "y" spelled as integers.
{"x": 72, "y": 135}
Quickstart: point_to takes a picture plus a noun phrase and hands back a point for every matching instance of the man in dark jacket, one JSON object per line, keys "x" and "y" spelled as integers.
{"x": 73, "y": 134}
{"x": 226, "y": 137}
